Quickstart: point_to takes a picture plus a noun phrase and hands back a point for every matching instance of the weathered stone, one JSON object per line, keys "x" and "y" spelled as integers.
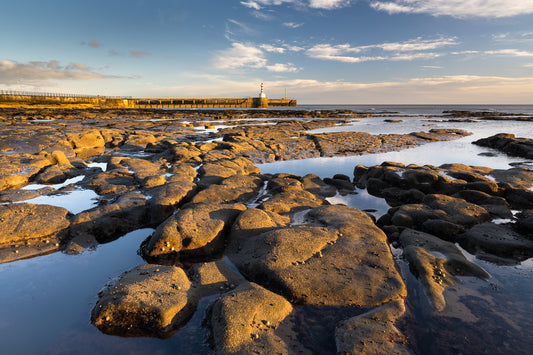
{"x": 292, "y": 201}
{"x": 195, "y": 231}
{"x": 314, "y": 184}
{"x": 244, "y": 320}
{"x": 346, "y": 262}
{"x": 23, "y": 221}
{"x": 107, "y": 223}
{"x": 497, "y": 239}
{"x": 442, "y": 229}
{"x": 149, "y": 300}
{"x": 458, "y": 211}
{"x": 373, "y": 332}
{"x": 279, "y": 184}
{"x": 87, "y": 139}
{"x": 214, "y": 277}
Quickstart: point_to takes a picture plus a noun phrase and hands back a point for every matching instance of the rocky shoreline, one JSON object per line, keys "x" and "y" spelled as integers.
{"x": 261, "y": 245}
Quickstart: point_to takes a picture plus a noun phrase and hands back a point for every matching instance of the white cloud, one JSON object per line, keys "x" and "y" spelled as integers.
{"x": 270, "y": 48}
{"x": 39, "y": 72}
{"x": 457, "y": 8}
{"x": 239, "y": 56}
{"x": 282, "y": 68}
{"x": 328, "y": 4}
{"x": 510, "y": 52}
{"x": 292, "y": 24}
{"x": 408, "y": 50}
{"x": 315, "y": 4}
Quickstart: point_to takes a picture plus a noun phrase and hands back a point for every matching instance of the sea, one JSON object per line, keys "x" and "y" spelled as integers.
{"x": 46, "y": 301}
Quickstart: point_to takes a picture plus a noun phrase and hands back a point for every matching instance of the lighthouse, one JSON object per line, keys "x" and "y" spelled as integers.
{"x": 263, "y": 100}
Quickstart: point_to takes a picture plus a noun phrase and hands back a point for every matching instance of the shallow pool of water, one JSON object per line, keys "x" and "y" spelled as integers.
{"x": 74, "y": 201}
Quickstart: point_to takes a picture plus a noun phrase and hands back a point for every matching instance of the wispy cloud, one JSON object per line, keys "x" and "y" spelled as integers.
{"x": 250, "y": 56}
{"x": 292, "y": 24}
{"x": 92, "y": 44}
{"x": 315, "y": 4}
{"x": 138, "y": 54}
{"x": 395, "y": 51}
{"x": 40, "y": 72}
{"x": 510, "y": 52}
{"x": 457, "y": 8}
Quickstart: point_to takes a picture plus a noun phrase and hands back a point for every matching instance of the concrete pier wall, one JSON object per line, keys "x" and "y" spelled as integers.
{"x": 45, "y": 100}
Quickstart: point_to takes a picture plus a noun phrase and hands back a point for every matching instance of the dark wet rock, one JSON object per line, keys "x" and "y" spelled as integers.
{"x": 508, "y": 143}
{"x": 437, "y": 273}
{"x": 340, "y": 184}
{"x": 525, "y": 223}
{"x": 396, "y": 196}
{"x": 24, "y": 221}
{"x": 149, "y": 300}
{"x": 443, "y": 229}
{"x": 56, "y": 174}
{"x": 373, "y": 332}
{"x": 393, "y": 121}
{"x": 314, "y": 184}
{"x": 415, "y": 215}
{"x": 244, "y": 320}
{"x": 109, "y": 222}
{"x": 196, "y": 231}
{"x": 497, "y": 239}
{"x": 291, "y": 201}
{"x": 458, "y": 210}
{"x": 519, "y": 198}
{"x": 515, "y": 177}
{"x": 340, "y": 259}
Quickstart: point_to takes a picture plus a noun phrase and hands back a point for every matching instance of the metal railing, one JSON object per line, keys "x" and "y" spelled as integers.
{"x": 58, "y": 94}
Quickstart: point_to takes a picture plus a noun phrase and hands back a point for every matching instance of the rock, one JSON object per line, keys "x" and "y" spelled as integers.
{"x": 196, "y": 231}
{"x": 442, "y": 229}
{"x": 23, "y": 221}
{"x": 497, "y": 239}
{"x": 111, "y": 182}
{"x": 149, "y": 300}
{"x": 214, "y": 277}
{"x": 415, "y": 215}
{"x": 107, "y": 223}
{"x": 56, "y": 174}
{"x": 525, "y": 223}
{"x": 292, "y": 201}
{"x": 457, "y": 210}
{"x": 217, "y": 171}
{"x": 431, "y": 271}
{"x": 373, "y": 332}
{"x": 237, "y": 188}
{"x": 244, "y": 320}
{"x": 254, "y": 221}
{"x": 345, "y": 262}
{"x": 87, "y": 139}
{"x": 317, "y": 186}
{"x": 508, "y": 143}
{"x": 341, "y": 184}
{"x": 280, "y": 184}
{"x": 167, "y": 198}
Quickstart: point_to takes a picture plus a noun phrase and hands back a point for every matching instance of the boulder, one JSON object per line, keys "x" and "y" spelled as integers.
{"x": 343, "y": 259}
{"x": 23, "y": 221}
{"x": 196, "y": 231}
{"x": 292, "y": 201}
{"x": 457, "y": 210}
{"x": 373, "y": 332}
{"x": 167, "y": 198}
{"x": 244, "y": 320}
{"x": 149, "y": 300}
{"x": 314, "y": 184}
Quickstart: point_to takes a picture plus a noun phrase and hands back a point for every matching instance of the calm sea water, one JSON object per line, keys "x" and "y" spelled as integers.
{"x": 45, "y": 302}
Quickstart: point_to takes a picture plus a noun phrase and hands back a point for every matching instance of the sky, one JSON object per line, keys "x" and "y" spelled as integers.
{"x": 316, "y": 51}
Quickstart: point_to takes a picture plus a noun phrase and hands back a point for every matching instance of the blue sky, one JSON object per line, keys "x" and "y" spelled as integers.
{"x": 321, "y": 51}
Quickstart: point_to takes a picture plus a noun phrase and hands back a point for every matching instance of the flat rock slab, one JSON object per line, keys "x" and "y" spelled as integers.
{"x": 346, "y": 261}
{"x": 373, "y": 332}
{"x": 22, "y": 221}
{"x": 497, "y": 239}
{"x": 244, "y": 320}
{"x": 149, "y": 300}
{"x": 292, "y": 201}
{"x": 196, "y": 230}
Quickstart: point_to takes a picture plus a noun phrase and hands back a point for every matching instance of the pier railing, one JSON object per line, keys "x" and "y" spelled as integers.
{"x": 48, "y": 98}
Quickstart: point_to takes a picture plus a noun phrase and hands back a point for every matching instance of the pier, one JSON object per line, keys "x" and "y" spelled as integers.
{"x": 15, "y": 98}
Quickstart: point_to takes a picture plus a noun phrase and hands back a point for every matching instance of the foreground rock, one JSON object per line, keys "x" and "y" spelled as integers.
{"x": 508, "y": 143}
{"x": 346, "y": 261}
{"x": 373, "y": 332}
{"x": 193, "y": 232}
{"x": 244, "y": 320}
{"x": 149, "y": 300}
{"x": 24, "y": 221}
